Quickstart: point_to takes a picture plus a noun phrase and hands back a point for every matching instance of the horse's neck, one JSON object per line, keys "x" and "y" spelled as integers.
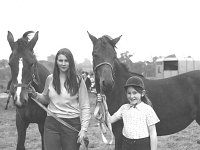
{"x": 121, "y": 72}
{"x": 117, "y": 97}
{"x": 121, "y": 75}
{"x": 42, "y": 74}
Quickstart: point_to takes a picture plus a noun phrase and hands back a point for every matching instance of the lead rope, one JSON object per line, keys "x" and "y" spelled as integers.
{"x": 86, "y": 140}
{"x": 101, "y": 114}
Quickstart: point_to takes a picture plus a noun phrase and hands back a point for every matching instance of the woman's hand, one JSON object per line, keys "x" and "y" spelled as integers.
{"x": 83, "y": 139}
{"x": 32, "y": 91}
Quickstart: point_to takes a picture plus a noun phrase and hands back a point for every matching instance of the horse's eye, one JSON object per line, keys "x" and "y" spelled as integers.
{"x": 10, "y": 64}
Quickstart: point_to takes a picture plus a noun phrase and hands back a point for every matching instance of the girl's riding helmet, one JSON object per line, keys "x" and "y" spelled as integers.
{"x": 134, "y": 81}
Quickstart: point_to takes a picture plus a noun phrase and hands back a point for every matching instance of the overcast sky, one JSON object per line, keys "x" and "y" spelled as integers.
{"x": 148, "y": 27}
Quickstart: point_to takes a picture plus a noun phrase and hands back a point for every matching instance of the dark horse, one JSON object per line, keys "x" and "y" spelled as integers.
{"x": 26, "y": 71}
{"x": 176, "y": 100}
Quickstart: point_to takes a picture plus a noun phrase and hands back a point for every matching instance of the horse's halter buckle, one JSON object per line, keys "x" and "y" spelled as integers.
{"x": 34, "y": 79}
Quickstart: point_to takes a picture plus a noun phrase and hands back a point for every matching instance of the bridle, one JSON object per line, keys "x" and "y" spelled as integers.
{"x": 104, "y": 63}
{"x": 33, "y": 80}
{"x": 27, "y": 86}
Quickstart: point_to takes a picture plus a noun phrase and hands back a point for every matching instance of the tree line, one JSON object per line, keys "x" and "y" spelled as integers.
{"x": 145, "y": 68}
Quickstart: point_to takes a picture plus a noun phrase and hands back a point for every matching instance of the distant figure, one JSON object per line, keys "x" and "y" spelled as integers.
{"x": 92, "y": 88}
{"x": 87, "y": 80}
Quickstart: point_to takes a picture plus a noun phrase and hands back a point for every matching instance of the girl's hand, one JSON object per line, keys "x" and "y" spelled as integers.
{"x": 109, "y": 117}
{"x": 99, "y": 98}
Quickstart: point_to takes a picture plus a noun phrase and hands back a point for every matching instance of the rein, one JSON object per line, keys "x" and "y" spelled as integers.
{"x": 86, "y": 140}
{"x": 54, "y": 116}
{"x": 101, "y": 114}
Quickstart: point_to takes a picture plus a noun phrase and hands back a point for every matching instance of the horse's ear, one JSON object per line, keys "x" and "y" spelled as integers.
{"x": 10, "y": 39}
{"x": 93, "y": 38}
{"x": 33, "y": 41}
{"x": 114, "y": 41}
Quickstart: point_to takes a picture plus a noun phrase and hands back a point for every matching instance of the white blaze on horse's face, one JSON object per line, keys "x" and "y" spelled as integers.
{"x": 19, "y": 80}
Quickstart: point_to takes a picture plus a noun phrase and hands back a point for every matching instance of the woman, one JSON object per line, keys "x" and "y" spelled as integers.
{"x": 139, "y": 118}
{"x": 67, "y": 98}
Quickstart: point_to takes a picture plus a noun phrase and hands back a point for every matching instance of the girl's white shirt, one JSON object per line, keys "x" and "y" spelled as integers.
{"x": 136, "y": 120}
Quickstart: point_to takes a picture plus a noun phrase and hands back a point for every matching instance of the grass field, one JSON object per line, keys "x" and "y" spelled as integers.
{"x": 184, "y": 140}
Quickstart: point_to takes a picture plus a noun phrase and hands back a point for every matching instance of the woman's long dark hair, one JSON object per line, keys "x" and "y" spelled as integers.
{"x": 71, "y": 83}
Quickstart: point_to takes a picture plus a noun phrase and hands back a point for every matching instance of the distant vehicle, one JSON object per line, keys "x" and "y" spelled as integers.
{"x": 172, "y": 66}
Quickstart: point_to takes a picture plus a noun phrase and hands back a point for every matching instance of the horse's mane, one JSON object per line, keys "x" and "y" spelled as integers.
{"x": 135, "y": 74}
{"x": 126, "y": 69}
{"x": 109, "y": 40}
{"x": 107, "y": 37}
{"x": 124, "y": 66}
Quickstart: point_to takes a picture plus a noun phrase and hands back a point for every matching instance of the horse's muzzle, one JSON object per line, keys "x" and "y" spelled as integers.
{"x": 106, "y": 86}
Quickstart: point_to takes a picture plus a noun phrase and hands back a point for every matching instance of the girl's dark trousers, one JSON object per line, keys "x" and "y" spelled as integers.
{"x": 59, "y": 137}
{"x": 136, "y": 144}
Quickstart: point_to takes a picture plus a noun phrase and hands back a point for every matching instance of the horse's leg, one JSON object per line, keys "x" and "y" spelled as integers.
{"x": 8, "y": 100}
{"x": 21, "y": 131}
{"x": 8, "y": 92}
{"x": 41, "y": 129}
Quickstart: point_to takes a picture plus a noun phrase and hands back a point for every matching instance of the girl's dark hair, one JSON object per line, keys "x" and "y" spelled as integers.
{"x": 144, "y": 98}
{"x": 71, "y": 82}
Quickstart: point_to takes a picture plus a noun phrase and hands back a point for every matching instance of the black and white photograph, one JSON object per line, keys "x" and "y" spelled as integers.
{"x": 100, "y": 75}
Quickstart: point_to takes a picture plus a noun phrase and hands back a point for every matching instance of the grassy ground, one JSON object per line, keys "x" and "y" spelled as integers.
{"x": 184, "y": 140}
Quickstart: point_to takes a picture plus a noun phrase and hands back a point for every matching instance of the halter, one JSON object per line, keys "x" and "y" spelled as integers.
{"x": 103, "y": 63}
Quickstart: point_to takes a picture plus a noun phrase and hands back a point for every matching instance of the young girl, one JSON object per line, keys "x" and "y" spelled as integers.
{"x": 139, "y": 118}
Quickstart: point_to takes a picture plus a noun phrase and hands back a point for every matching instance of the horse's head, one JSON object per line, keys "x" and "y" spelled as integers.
{"x": 23, "y": 65}
{"x": 104, "y": 56}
